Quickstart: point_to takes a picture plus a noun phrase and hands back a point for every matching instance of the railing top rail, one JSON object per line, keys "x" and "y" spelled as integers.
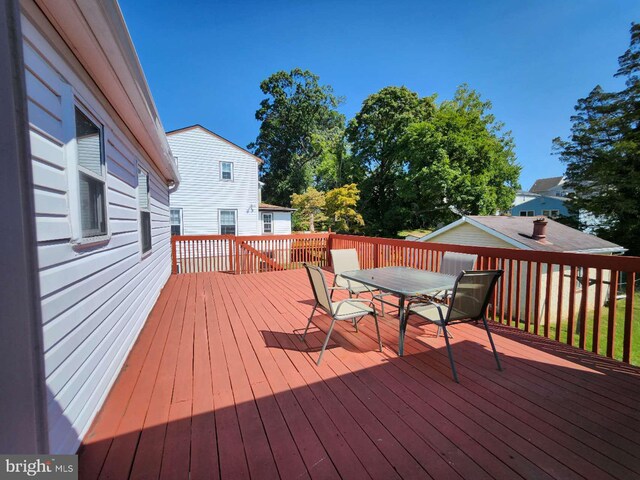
{"x": 620, "y": 263}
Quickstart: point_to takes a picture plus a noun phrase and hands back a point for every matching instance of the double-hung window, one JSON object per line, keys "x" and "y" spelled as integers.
{"x": 226, "y": 171}
{"x": 227, "y": 222}
{"x": 144, "y": 205}
{"x": 551, "y": 213}
{"x": 527, "y": 213}
{"x": 176, "y": 221}
{"x": 91, "y": 176}
{"x": 267, "y": 223}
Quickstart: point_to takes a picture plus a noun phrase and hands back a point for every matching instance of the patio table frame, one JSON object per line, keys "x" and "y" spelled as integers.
{"x": 402, "y": 282}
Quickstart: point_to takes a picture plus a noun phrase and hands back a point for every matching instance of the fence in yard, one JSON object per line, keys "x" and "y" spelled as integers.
{"x": 570, "y": 297}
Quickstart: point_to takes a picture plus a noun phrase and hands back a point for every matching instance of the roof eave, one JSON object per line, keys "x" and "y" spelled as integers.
{"x": 97, "y": 34}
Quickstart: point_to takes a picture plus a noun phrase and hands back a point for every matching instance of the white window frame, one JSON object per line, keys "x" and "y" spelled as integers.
{"x": 235, "y": 219}
{"x": 147, "y": 209}
{"x": 553, "y": 213}
{"x": 222, "y": 162}
{"x": 171, "y": 224}
{"x": 527, "y": 213}
{"x": 74, "y": 170}
{"x": 270, "y": 215}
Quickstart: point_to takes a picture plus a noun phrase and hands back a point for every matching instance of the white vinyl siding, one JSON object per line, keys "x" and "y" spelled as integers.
{"x": 202, "y": 194}
{"x": 94, "y": 299}
{"x": 281, "y": 223}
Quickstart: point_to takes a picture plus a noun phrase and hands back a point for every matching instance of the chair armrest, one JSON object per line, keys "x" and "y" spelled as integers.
{"x": 353, "y": 300}
{"x": 425, "y": 301}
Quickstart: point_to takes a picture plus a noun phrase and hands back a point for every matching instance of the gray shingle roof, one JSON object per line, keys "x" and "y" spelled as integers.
{"x": 544, "y": 184}
{"x": 560, "y": 238}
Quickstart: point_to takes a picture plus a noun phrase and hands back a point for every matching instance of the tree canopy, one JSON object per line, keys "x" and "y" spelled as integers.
{"x": 458, "y": 162}
{"x": 300, "y": 126}
{"x": 374, "y": 136}
{"x": 403, "y": 161}
{"x": 602, "y": 155}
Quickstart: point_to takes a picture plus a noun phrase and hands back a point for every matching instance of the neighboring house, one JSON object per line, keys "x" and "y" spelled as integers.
{"x": 552, "y": 186}
{"x": 547, "y": 196}
{"x": 517, "y": 232}
{"x": 101, "y": 175}
{"x": 220, "y": 191}
{"x": 540, "y": 205}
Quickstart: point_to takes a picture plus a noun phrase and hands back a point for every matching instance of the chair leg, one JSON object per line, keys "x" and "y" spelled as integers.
{"x": 450, "y": 353}
{"x": 375, "y": 319}
{"x": 309, "y": 322}
{"x": 440, "y": 330}
{"x": 355, "y": 323}
{"x": 326, "y": 341}
{"x": 382, "y": 306}
{"x": 493, "y": 347}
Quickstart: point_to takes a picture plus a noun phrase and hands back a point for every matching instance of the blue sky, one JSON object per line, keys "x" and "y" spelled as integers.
{"x": 204, "y": 60}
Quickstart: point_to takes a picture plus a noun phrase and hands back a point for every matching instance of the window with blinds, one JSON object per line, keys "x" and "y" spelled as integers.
{"x": 226, "y": 171}
{"x": 176, "y": 221}
{"x": 144, "y": 205}
{"x": 267, "y": 223}
{"x": 227, "y": 222}
{"x": 91, "y": 174}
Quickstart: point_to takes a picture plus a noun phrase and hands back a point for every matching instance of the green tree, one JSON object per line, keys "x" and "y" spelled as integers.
{"x": 460, "y": 161}
{"x": 299, "y": 123}
{"x": 602, "y": 155}
{"x": 340, "y": 209}
{"x": 377, "y": 163}
{"x": 309, "y": 210}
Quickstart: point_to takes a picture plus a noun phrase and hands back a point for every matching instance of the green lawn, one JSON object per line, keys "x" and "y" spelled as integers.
{"x": 604, "y": 321}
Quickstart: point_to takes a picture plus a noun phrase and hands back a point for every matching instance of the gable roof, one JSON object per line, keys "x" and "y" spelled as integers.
{"x": 219, "y": 137}
{"x": 517, "y": 232}
{"x": 542, "y": 185}
{"x": 267, "y": 207}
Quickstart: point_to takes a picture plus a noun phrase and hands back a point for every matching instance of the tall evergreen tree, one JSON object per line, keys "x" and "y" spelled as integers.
{"x": 603, "y": 155}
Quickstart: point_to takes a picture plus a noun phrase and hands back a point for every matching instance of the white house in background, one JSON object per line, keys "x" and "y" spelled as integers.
{"x": 219, "y": 191}
{"x": 101, "y": 175}
{"x": 518, "y": 232}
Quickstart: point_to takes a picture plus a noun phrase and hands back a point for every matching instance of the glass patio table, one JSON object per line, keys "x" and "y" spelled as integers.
{"x": 402, "y": 282}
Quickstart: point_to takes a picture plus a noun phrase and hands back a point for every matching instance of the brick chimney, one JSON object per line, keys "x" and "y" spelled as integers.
{"x": 539, "y": 229}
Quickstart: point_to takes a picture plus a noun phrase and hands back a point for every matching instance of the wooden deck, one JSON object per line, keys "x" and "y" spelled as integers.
{"x": 218, "y": 386}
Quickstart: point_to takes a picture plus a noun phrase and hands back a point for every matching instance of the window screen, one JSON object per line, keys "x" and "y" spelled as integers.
{"x": 145, "y": 210}
{"x": 91, "y": 175}
{"x": 226, "y": 169}
{"x": 267, "y": 223}
{"x": 227, "y": 222}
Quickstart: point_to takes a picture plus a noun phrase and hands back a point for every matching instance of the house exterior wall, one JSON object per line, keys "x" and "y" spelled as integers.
{"x": 540, "y": 204}
{"x": 95, "y": 298}
{"x": 466, "y": 234}
{"x": 281, "y": 223}
{"x": 203, "y": 194}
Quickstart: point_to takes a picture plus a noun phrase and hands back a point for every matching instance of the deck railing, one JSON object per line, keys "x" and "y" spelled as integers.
{"x": 585, "y": 300}
{"x": 246, "y": 254}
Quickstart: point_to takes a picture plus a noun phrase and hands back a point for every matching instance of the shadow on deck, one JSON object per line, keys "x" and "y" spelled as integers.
{"x": 219, "y": 386}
